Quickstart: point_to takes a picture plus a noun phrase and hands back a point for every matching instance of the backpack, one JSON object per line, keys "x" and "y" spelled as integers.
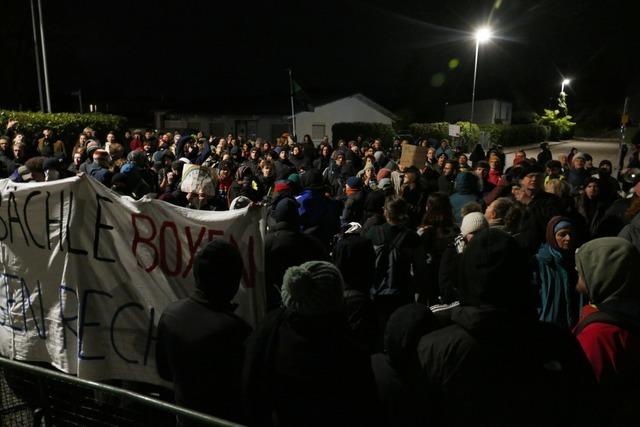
{"x": 392, "y": 273}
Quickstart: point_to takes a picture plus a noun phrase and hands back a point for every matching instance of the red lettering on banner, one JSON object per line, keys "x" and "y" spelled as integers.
{"x": 148, "y": 241}
{"x": 156, "y": 240}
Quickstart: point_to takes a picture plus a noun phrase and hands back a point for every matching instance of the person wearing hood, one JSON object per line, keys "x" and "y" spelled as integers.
{"x": 285, "y": 246}
{"x": 355, "y": 257}
{"x": 496, "y": 364}
{"x": 401, "y": 390}
{"x": 578, "y": 173}
{"x": 590, "y": 206}
{"x": 609, "y": 186}
{"x": 609, "y": 327}
{"x": 353, "y": 210}
{"x": 319, "y": 214}
{"x": 555, "y": 275}
{"x": 200, "y": 340}
{"x": 544, "y": 156}
{"x": 298, "y": 159}
{"x": 301, "y": 368}
{"x": 283, "y": 165}
{"x": 466, "y": 190}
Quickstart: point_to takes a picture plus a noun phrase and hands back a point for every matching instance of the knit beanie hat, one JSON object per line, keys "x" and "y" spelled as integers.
{"x": 473, "y": 222}
{"x": 313, "y": 288}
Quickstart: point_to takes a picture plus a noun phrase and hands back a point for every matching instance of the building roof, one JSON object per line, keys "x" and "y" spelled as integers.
{"x": 362, "y": 98}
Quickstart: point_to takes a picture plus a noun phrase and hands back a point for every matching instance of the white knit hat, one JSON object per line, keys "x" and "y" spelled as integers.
{"x": 472, "y": 223}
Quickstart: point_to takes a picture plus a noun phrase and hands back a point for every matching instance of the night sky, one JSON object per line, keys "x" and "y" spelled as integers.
{"x": 134, "y": 56}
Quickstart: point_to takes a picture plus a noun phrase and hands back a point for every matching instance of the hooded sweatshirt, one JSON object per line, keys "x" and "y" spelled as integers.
{"x": 466, "y": 191}
{"x": 611, "y": 341}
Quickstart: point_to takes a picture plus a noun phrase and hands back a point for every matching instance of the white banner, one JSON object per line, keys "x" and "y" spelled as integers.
{"x": 85, "y": 274}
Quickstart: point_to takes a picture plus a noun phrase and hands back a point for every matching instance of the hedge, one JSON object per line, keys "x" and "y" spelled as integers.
{"x": 511, "y": 135}
{"x": 349, "y": 131}
{"x": 470, "y": 132}
{"x": 66, "y": 126}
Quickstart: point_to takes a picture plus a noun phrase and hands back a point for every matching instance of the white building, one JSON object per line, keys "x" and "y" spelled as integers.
{"x": 486, "y": 111}
{"x": 354, "y": 108}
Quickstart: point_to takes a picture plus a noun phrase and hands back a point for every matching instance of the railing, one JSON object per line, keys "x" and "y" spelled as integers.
{"x": 31, "y": 395}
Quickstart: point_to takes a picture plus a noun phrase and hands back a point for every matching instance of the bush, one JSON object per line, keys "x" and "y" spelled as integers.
{"x": 368, "y": 131}
{"x": 512, "y": 135}
{"x": 66, "y": 126}
{"x": 561, "y": 127}
{"x": 470, "y": 132}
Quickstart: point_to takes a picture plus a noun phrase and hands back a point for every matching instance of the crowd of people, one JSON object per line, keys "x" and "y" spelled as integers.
{"x": 459, "y": 290}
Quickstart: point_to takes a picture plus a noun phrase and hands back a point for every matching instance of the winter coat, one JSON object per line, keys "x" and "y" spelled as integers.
{"x": 354, "y": 256}
{"x": 200, "y": 349}
{"x": 284, "y": 168}
{"x": 319, "y": 215}
{"x": 435, "y": 241}
{"x": 535, "y": 218}
{"x": 445, "y": 184}
{"x": 496, "y": 367}
{"x": 353, "y": 210}
{"x": 285, "y": 246}
{"x": 556, "y": 280}
{"x": 401, "y": 389}
{"x": 304, "y": 371}
{"x": 592, "y": 211}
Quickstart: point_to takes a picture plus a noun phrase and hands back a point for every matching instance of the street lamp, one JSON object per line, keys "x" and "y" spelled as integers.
{"x": 565, "y": 82}
{"x": 481, "y": 35}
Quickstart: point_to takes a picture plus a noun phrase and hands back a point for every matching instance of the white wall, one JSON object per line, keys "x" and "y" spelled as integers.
{"x": 485, "y": 111}
{"x": 343, "y": 110}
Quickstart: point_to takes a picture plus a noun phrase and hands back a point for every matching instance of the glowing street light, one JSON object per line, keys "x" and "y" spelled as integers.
{"x": 565, "y": 82}
{"x": 481, "y": 35}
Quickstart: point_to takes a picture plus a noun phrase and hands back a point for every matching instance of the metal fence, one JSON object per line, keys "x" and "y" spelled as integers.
{"x": 31, "y": 395}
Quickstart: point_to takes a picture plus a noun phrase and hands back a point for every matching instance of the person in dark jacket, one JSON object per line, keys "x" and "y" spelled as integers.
{"x": 437, "y": 232}
{"x": 544, "y": 156}
{"x": 447, "y": 179}
{"x": 396, "y": 277}
{"x": 590, "y": 205}
{"x": 401, "y": 391}
{"x": 539, "y": 207}
{"x": 496, "y": 364}
{"x": 301, "y": 369}
{"x": 354, "y": 256}
{"x": 200, "y": 340}
{"x": 285, "y": 246}
{"x": 353, "y": 210}
{"x": 609, "y": 327}
{"x": 283, "y": 165}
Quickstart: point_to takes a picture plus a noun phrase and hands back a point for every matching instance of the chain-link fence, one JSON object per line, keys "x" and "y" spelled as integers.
{"x": 32, "y": 395}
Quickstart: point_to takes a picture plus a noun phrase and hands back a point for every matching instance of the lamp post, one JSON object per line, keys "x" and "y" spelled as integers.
{"x": 481, "y": 35}
{"x": 565, "y": 82}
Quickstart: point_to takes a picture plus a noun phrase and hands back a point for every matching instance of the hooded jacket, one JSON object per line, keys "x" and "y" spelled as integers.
{"x": 466, "y": 191}
{"x": 611, "y": 341}
{"x": 496, "y": 364}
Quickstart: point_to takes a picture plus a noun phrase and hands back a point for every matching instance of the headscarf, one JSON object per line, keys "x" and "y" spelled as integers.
{"x": 553, "y": 226}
